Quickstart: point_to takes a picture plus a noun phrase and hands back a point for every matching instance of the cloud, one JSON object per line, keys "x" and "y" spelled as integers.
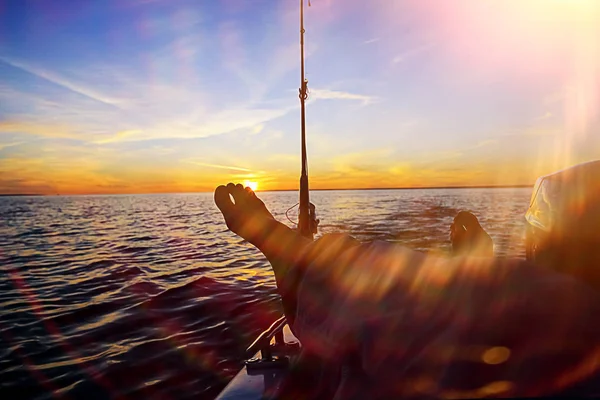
{"x": 6, "y": 145}
{"x": 148, "y": 105}
{"x": 363, "y": 162}
{"x": 546, "y": 115}
{"x": 542, "y": 131}
{"x": 406, "y": 55}
{"x": 437, "y": 158}
{"x": 371, "y": 41}
{"x": 119, "y": 137}
{"x": 483, "y": 143}
{"x": 147, "y": 120}
{"x": 15, "y": 97}
{"x": 34, "y": 128}
{"x": 60, "y": 81}
{"x": 325, "y": 94}
{"x": 228, "y": 167}
{"x": 222, "y": 122}
{"x": 258, "y": 129}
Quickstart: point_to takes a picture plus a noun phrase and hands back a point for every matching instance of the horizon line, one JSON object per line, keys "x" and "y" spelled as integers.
{"x": 281, "y": 190}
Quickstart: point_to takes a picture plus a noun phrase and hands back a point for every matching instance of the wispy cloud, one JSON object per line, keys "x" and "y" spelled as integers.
{"x": 7, "y": 145}
{"x": 371, "y": 41}
{"x": 119, "y": 137}
{"x": 61, "y": 81}
{"x": 435, "y": 157}
{"x": 228, "y": 167}
{"x": 481, "y": 144}
{"x": 546, "y": 115}
{"x": 410, "y": 53}
{"x": 153, "y": 111}
{"x": 325, "y": 94}
{"x": 362, "y": 162}
{"x": 533, "y": 130}
{"x": 546, "y": 131}
{"x": 33, "y": 128}
{"x": 258, "y": 129}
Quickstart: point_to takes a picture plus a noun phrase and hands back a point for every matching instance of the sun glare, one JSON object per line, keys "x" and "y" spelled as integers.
{"x": 251, "y": 184}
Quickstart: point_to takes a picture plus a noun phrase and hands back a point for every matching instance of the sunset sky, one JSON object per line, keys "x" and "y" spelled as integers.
{"x": 138, "y": 96}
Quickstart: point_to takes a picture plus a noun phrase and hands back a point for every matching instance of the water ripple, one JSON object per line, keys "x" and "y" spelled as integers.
{"x": 151, "y": 297}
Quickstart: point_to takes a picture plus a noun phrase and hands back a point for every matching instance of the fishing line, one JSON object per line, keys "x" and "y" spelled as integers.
{"x": 287, "y": 216}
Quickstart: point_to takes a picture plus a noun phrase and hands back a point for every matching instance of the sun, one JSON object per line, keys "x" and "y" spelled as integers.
{"x": 251, "y": 184}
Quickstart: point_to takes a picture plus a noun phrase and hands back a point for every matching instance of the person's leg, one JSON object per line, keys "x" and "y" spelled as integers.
{"x": 288, "y": 252}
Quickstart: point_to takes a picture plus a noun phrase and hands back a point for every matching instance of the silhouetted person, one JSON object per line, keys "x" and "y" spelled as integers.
{"x": 469, "y": 238}
{"x": 408, "y": 324}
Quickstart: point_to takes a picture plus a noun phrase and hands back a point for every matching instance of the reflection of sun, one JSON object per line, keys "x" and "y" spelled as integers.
{"x": 251, "y": 184}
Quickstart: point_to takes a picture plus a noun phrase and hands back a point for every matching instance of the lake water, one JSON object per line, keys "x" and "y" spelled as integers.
{"x": 149, "y": 296}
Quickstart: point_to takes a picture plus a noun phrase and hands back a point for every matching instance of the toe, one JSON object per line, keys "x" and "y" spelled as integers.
{"x": 251, "y": 196}
{"x": 238, "y": 193}
{"x": 222, "y": 200}
{"x": 256, "y": 204}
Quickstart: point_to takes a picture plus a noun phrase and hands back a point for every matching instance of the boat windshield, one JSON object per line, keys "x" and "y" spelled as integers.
{"x": 573, "y": 201}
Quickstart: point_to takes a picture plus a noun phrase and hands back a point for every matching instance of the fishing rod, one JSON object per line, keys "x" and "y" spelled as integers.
{"x": 307, "y": 221}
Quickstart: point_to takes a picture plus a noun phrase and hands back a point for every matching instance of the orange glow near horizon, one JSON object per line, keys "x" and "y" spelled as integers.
{"x": 37, "y": 178}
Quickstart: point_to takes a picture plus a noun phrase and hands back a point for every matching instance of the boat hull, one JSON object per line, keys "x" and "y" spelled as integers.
{"x": 258, "y": 383}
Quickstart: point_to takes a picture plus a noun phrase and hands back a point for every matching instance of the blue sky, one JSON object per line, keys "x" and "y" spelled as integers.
{"x": 180, "y": 95}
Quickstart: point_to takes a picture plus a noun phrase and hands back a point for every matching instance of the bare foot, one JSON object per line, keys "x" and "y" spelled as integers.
{"x": 246, "y": 214}
{"x": 248, "y": 217}
{"x": 468, "y": 237}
